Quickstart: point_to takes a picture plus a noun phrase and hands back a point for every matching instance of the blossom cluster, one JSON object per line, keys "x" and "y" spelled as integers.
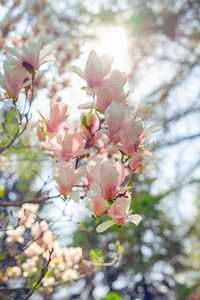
{"x": 92, "y": 159}
{"x": 65, "y": 263}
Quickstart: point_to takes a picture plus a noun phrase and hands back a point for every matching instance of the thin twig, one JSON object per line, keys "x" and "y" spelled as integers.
{"x": 42, "y": 274}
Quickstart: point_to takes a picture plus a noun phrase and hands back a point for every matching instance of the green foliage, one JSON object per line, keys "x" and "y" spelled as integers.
{"x": 2, "y": 256}
{"x": 84, "y": 120}
{"x": 2, "y": 190}
{"x": 112, "y": 296}
{"x": 9, "y": 127}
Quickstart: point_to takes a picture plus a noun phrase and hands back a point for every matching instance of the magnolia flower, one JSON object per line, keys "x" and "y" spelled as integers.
{"x": 29, "y": 266}
{"x": 67, "y": 176}
{"x": 140, "y": 159}
{"x": 116, "y": 117}
{"x": 115, "y": 77}
{"x": 13, "y": 78}
{"x": 33, "y": 250}
{"x": 105, "y": 96}
{"x": 32, "y": 55}
{"x": 120, "y": 214}
{"x": 108, "y": 176}
{"x": 69, "y": 275}
{"x": 42, "y": 234}
{"x": 27, "y": 214}
{"x": 131, "y": 135}
{"x": 14, "y": 272}
{"x": 59, "y": 112}
{"x": 89, "y": 124}
{"x": 66, "y": 145}
{"x": 95, "y": 71}
{"x": 15, "y": 234}
{"x": 72, "y": 255}
{"x": 99, "y": 205}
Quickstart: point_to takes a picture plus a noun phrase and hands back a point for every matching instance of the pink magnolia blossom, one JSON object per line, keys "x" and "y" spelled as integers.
{"x": 99, "y": 205}
{"x": 59, "y": 112}
{"x": 13, "y": 78}
{"x": 106, "y": 95}
{"x": 71, "y": 255}
{"x": 33, "y": 250}
{"x": 107, "y": 176}
{"x": 30, "y": 266}
{"x": 42, "y": 234}
{"x": 14, "y": 272}
{"x": 40, "y": 129}
{"x": 140, "y": 159}
{"x": 115, "y": 77}
{"x": 27, "y": 214}
{"x": 15, "y": 234}
{"x": 131, "y": 135}
{"x": 120, "y": 214}
{"x": 145, "y": 110}
{"x": 66, "y": 145}
{"x": 32, "y": 55}
{"x": 116, "y": 117}
{"x": 119, "y": 210}
{"x": 89, "y": 124}
{"x": 92, "y": 163}
{"x": 67, "y": 176}
{"x": 95, "y": 71}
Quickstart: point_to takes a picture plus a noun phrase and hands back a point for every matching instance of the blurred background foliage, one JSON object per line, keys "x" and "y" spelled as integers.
{"x": 162, "y": 256}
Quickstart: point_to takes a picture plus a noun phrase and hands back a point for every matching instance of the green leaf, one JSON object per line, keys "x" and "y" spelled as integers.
{"x": 84, "y": 120}
{"x": 83, "y": 88}
{"x": 110, "y": 201}
{"x": 93, "y": 253}
{"x": 130, "y": 183}
{"x": 96, "y": 262}
{"x": 2, "y": 255}
{"x": 2, "y": 190}
{"x": 98, "y": 110}
{"x": 112, "y": 296}
{"x": 121, "y": 250}
{"x": 117, "y": 245}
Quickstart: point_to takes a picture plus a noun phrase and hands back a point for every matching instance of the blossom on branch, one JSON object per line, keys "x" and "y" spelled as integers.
{"x": 32, "y": 55}
{"x": 67, "y": 176}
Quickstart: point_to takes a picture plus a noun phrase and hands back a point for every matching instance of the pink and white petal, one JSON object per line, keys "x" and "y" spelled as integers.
{"x": 46, "y": 50}
{"x": 79, "y": 152}
{"x": 135, "y": 219}
{"x": 152, "y": 129}
{"x": 75, "y": 196}
{"x": 48, "y": 59}
{"x": 14, "y": 51}
{"x": 104, "y": 226}
{"x": 86, "y": 105}
{"x": 76, "y": 70}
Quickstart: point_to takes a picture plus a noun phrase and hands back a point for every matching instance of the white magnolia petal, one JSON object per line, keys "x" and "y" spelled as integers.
{"x": 86, "y": 105}
{"x": 14, "y": 51}
{"x": 77, "y": 70}
{"x": 104, "y": 226}
{"x": 48, "y": 59}
{"x": 135, "y": 219}
{"x": 152, "y": 128}
{"x": 74, "y": 196}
